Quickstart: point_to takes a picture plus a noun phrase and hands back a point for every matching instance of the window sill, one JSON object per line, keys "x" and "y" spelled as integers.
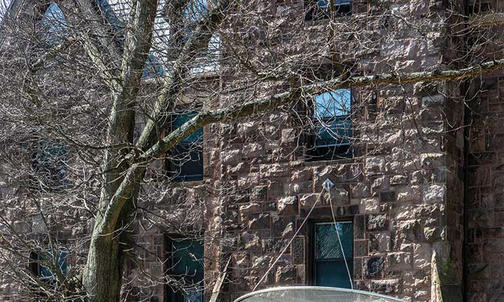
{"x": 188, "y": 183}
{"x": 327, "y": 162}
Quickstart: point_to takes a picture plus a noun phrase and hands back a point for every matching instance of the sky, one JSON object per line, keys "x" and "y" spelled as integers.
{"x": 4, "y": 5}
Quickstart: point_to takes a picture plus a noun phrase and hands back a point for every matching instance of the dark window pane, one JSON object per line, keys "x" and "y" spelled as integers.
{"x": 334, "y": 132}
{"x": 43, "y": 272}
{"x": 48, "y": 160}
{"x": 187, "y": 163}
{"x": 187, "y": 157}
{"x": 187, "y": 266}
{"x": 329, "y": 264}
{"x": 326, "y": 240}
{"x": 180, "y": 119}
{"x": 333, "y": 273}
{"x": 188, "y": 259}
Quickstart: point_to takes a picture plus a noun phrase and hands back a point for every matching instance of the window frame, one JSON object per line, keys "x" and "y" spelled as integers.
{"x": 312, "y": 262}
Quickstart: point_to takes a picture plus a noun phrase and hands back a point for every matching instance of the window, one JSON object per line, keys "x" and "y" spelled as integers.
{"x": 332, "y": 131}
{"x": 195, "y": 11}
{"x": 321, "y": 9}
{"x": 186, "y": 159}
{"x": 185, "y": 260}
{"x": 48, "y": 161}
{"x": 329, "y": 267}
{"x": 44, "y": 273}
{"x": 54, "y": 23}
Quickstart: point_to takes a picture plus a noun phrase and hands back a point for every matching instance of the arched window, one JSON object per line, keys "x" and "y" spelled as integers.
{"x": 54, "y": 24}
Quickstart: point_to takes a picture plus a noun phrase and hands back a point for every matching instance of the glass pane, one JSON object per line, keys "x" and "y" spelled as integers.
{"x": 187, "y": 163}
{"x": 196, "y": 9}
{"x": 333, "y": 274}
{"x": 44, "y": 272}
{"x": 326, "y": 241}
{"x": 188, "y": 259}
{"x": 54, "y": 22}
{"x": 180, "y": 119}
{"x": 152, "y": 67}
{"x": 333, "y": 104}
{"x": 333, "y": 132}
{"x": 322, "y": 3}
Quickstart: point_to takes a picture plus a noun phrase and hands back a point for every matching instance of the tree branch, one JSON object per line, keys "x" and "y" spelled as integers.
{"x": 197, "y": 42}
{"x": 273, "y": 101}
{"x": 50, "y": 54}
{"x": 263, "y": 104}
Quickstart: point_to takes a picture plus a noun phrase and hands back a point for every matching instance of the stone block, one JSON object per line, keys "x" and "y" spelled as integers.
{"x": 432, "y": 160}
{"x": 248, "y": 209}
{"x": 433, "y": 100}
{"x": 231, "y": 157}
{"x": 434, "y": 194}
{"x": 422, "y": 254}
{"x": 388, "y": 196}
{"x": 373, "y": 267}
{"x": 360, "y": 190}
{"x": 340, "y": 196}
{"x": 260, "y": 221}
{"x": 398, "y": 180}
{"x": 298, "y": 250}
{"x": 377, "y": 222}
{"x": 259, "y": 193}
{"x": 287, "y": 206}
{"x": 288, "y": 136}
{"x": 252, "y": 150}
{"x": 370, "y": 205}
{"x": 284, "y": 274}
{"x": 307, "y": 200}
{"x": 283, "y": 226}
{"x": 359, "y": 226}
{"x": 302, "y": 175}
{"x": 374, "y": 165}
{"x": 361, "y": 248}
{"x": 380, "y": 184}
{"x": 273, "y": 170}
{"x": 417, "y": 178}
{"x": 399, "y": 261}
{"x": 357, "y": 268}
{"x": 432, "y": 234}
{"x": 385, "y": 286}
{"x": 410, "y": 230}
{"x": 379, "y": 242}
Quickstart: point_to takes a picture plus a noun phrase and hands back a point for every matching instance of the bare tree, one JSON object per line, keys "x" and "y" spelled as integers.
{"x": 90, "y": 103}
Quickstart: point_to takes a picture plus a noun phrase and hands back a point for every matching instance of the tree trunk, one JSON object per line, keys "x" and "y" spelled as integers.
{"x": 103, "y": 274}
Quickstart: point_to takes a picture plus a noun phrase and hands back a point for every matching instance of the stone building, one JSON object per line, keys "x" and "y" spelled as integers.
{"x": 416, "y": 192}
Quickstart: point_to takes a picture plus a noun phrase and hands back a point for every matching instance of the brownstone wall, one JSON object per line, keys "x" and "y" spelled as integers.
{"x": 402, "y": 189}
